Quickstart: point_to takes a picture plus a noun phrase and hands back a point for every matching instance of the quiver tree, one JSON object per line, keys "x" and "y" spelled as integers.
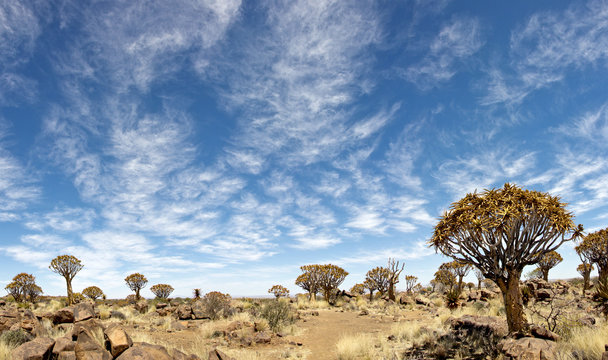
{"x": 24, "y": 288}
{"x": 393, "y": 278}
{"x": 357, "y": 289}
{"x": 331, "y": 276}
{"x": 459, "y": 269}
{"x": 479, "y": 276}
{"x": 162, "y": 291}
{"x": 92, "y": 292}
{"x": 278, "y": 291}
{"x": 445, "y": 277}
{"x": 377, "y": 279}
{"x": 309, "y": 280}
{"x": 548, "y": 262}
{"x": 67, "y": 266}
{"x": 136, "y": 282}
{"x": 196, "y": 293}
{"x": 500, "y": 231}
{"x": 410, "y": 282}
{"x": 594, "y": 248}
{"x": 585, "y": 270}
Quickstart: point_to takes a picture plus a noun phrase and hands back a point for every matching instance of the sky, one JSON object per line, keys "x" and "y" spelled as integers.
{"x": 220, "y": 144}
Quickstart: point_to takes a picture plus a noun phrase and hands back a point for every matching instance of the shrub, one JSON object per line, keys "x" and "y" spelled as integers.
{"x": 14, "y": 338}
{"x": 278, "y": 314}
{"x": 216, "y": 304}
{"x": 452, "y": 298}
{"x": 196, "y": 293}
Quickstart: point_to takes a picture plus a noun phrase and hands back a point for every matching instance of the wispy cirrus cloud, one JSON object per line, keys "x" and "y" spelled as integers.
{"x": 456, "y": 41}
{"x": 547, "y": 46}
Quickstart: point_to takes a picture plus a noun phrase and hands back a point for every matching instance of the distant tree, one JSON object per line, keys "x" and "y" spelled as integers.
{"x": 92, "y": 292}
{"x": 278, "y": 291}
{"x": 331, "y": 277}
{"x": 357, "y": 289}
{"x": 309, "y": 280}
{"x": 196, "y": 293}
{"x": 433, "y": 284}
{"x": 67, "y": 266}
{"x": 548, "y": 262}
{"x": 500, "y": 231}
{"x": 162, "y": 291}
{"x": 136, "y": 282}
{"x": 585, "y": 271}
{"x": 410, "y": 282}
{"x": 445, "y": 277}
{"x": 535, "y": 274}
{"x": 23, "y": 288}
{"x": 479, "y": 276}
{"x": 377, "y": 278}
{"x": 393, "y": 279}
{"x": 470, "y": 285}
{"x": 216, "y": 304}
{"x": 594, "y": 248}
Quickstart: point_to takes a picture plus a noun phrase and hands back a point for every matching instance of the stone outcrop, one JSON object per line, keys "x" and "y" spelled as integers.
{"x": 184, "y": 312}
{"x": 141, "y": 351}
{"x": 116, "y": 340}
{"x": 528, "y": 348}
{"x": 37, "y": 349}
{"x": 215, "y": 354}
{"x": 63, "y": 316}
{"x": 88, "y": 349}
{"x": 83, "y": 311}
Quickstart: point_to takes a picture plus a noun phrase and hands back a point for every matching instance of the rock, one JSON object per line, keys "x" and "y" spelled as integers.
{"x": 145, "y": 351}
{"x": 542, "y": 333}
{"x": 178, "y": 326}
{"x": 262, "y": 338}
{"x": 66, "y": 355}
{"x": 587, "y": 321}
{"x": 486, "y": 295}
{"x": 184, "y": 312}
{"x": 178, "y": 355}
{"x": 543, "y": 294}
{"x": 63, "y": 316}
{"x": 161, "y": 305}
{"x": 63, "y": 344}
{"x": 486, "y": 325}
{"x": 8, "y": 318}
{"x": 2, "y": 302}
{"x": 83, "y": 311}
{"x": 215, "y": 354}
{"x": 235, "y": 325}
{"x": 162, "y": 312}
{"x": 314, "y": 313}
{"x": 29, "y": 323}
{"x": 116, "y": 340}
{"x": 88, "y": 349}
{"x": 91, "y": 325}
{"x": 141, "y": 306}
{"x": 198, "y": 310}
{"x": 474, "y": 296}
{"x": 419, "y": 300}
{"x": 528, "y": 348}
{"x": 363, "y": 312}
{"x": 38, "y": 349}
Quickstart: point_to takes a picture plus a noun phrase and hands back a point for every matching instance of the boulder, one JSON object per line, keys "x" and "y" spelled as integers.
{"x": 588, "y": 321}
{"x": 486, "y": 294}
{"x": 88, "y": 349}
{"x": 141, "y": 306}
{"x": 198, "y": 310}
{"x": 91, "y": 325}
{"x": 485, "y": 325}
{"x": 419, "y": 300}
{"x": 37, "y": 349}
{"x": 145, "y": 351}
{"x": 215, "y": 354}
{"x": 29, "y": 323}
{"x": 83, "y": 311}
{"x": 63, "y": 316}
{"x": 8, "y": 318}
{"x": 262, "y": 338}
{"x": 528, "y": 348}
{"x": 605, "y": 354}
{"x": 161, "y": 305}
{"x": 116, "y": 339}
{"x": 542, "y": 333}
{"x": 178, "y": 355}
{"x": 66, "y": 355}
{"x": 184, "y": 312}
{"x": 543, "y": 294}
{"x": 63, "y": 344}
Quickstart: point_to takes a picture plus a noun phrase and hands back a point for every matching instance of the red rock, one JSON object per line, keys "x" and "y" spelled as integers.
{"x": 37, "y": 349}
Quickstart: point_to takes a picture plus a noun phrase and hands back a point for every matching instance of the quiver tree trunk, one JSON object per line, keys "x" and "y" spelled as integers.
{"x": 514, "y": 306}
{"x": 68, "y": 284}
{"x": 391, "y": 292}
{"x": 545, "y": 274}
{"x": 586, "y": 276}
{"x": 371, "y": 295}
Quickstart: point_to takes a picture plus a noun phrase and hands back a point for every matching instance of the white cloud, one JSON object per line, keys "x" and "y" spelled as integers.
{"x": 455, "y": 42}
{"x": 62, "y": 219}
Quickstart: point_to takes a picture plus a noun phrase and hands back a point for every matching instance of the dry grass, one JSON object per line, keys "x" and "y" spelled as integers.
{"x": 5, "y": 351}
{"x": 359, "y": 346}
{"x": 587, "y": 342}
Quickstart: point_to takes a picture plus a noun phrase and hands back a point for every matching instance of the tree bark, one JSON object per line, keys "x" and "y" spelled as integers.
{"x": 391, "y": 292}
{"x": 602, "y": 272}
{"x": 371, "y": 295}
{"x": 586, "y": 277}
{"x": 137, "y": 294}
{"x": 514, "y": 307}
{"x": 545, "y": 275}
{"x": 70, "y": 295}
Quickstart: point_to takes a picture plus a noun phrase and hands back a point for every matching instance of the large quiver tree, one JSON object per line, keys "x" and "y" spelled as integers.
{"x": 67, "y": 266}
{"x": 594, "y": 249}
{"x": 500, "y": 231}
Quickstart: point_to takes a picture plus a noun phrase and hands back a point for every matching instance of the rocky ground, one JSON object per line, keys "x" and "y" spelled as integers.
{"x": 566, "y": 325}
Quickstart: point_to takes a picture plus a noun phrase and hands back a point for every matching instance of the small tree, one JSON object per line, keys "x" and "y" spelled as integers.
{"x": 445, "y": 277}
{"x": 67, "y": 266}
{"x": 377, "y": 278}
{"x": 480, "y": 277}
{"x": 500, "y": 231}
{"x": 278, "y": 291}
{"x": 309, "y": 280}
{"x": 24, "y": 288}
{"x": 548, "y": 262}
{"x": 585, "y": 271}
{"x": 92, "y": 292}
{"x": 410, "y": 282}
{"x": 162, "y": 291}
{"x": 393, "y": 279}
{"x": 136, "y": 282}
{"x": 357, "y": 289}
{"x": 534, "y": 274}
{"x": 331, "y": 276}
{"x": 594, "y": 248}
{"x": 216, "y": 304}
{"x": 196, "y": 293}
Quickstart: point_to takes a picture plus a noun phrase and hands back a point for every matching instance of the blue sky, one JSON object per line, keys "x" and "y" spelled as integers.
{"x": 222, "y": 144}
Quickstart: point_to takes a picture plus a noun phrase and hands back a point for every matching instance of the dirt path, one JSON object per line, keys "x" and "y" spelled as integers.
{"x": 321, "y": 333}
